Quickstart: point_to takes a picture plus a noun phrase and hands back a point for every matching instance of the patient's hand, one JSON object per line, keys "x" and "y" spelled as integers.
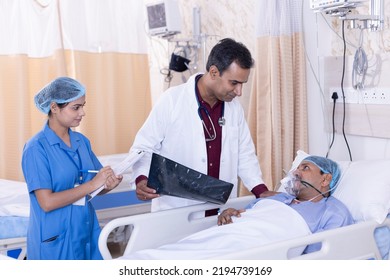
{"x": 226, "y": 216}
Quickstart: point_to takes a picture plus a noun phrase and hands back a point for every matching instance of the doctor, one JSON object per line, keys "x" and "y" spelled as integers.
{"x": 200, "y": 124}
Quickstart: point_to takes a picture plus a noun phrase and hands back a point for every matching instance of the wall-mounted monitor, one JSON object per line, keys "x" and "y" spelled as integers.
{"x": 163, "y": 18}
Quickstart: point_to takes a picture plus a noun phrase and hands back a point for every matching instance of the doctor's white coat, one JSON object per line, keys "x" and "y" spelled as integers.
{"x": 174, "y": 130}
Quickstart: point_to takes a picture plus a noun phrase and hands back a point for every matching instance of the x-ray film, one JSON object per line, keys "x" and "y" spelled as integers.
{"x": 168, "y": 177}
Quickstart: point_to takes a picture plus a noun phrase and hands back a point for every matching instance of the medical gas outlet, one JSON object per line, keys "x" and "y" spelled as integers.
{"x": 379, "y": 96}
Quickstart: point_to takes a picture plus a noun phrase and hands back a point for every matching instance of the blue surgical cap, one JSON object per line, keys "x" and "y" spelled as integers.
{"x": 327, "y": 166}
{"x": 61, "y": 90}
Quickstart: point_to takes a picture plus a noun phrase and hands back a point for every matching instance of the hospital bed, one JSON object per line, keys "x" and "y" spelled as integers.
{"x": 14, "y": 210}
{"x": 364, "y": 188}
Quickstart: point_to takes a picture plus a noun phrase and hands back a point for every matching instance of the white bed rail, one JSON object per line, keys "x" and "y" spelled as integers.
{"x": 347, "y": 243}
{"x": 13, "y": 244}
{"x": 151, "y": 230}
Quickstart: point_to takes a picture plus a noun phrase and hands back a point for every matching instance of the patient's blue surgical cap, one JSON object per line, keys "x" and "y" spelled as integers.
{"x": 327, "y": 166}
{"x": 61, "y": 90}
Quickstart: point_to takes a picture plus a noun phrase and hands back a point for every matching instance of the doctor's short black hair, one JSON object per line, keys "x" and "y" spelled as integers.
{"x": 227, "y": 51}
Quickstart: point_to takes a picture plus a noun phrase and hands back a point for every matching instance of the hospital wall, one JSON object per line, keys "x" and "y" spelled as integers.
{"x": 323, "y": 43}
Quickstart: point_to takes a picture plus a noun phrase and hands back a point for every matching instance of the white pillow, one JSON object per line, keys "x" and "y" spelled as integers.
{"x": 364, "y": 187}
{"x": 301, "y": 155}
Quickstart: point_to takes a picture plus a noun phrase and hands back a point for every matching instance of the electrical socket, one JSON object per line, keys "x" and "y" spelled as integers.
{"x": 364, "y": 96}
{"x": 376, "y": 96}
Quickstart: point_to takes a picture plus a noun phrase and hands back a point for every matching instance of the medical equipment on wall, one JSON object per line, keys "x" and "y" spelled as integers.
{"x": 342, "y": 8}
{"x": 163, "y": 18}
{"x": 178, "y": 63}
{"x": 372, "y": 22}
{"x": 190, "y": 47}
{"x": 333, "y": 5}
{"x": 164, "y": 21}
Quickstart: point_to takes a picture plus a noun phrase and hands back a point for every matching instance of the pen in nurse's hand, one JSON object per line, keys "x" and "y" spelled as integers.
{"x": 89, "y": 171}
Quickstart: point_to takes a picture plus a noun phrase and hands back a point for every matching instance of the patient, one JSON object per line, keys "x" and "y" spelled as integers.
{"x": 309, "y": 191}
{"x": 308, "y": 207}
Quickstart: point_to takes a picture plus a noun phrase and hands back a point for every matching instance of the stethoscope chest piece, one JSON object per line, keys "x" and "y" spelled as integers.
{"x": 221, "y": 121}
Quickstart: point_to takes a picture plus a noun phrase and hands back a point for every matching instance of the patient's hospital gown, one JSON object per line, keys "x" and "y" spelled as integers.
{"x": 328, "y": 213}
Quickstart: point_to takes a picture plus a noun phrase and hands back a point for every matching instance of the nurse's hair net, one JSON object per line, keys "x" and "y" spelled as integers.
{"x": 327, "y": 166}
{"x": 61, "y": 90}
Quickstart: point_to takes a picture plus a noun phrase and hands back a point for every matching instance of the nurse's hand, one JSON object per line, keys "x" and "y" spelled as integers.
{"x": 102, "y": 177}
{"x": 226, "y": 216}
{"x": 144, "y": 192}
{"x": 112, "y": 182}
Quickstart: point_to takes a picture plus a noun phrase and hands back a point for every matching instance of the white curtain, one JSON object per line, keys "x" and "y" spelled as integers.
{"x": 101, "y": 43}
{"x": 26, "y": 27}
{"x": 277, "y": 111}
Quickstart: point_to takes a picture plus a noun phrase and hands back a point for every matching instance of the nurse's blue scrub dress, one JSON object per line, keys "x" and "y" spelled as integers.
{"x": 71, "y": 232}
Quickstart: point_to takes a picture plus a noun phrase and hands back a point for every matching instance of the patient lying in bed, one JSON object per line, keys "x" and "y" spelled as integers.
{"x": 308, "y": 207}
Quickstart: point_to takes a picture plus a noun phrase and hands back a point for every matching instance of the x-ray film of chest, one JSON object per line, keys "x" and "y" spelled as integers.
{"x": 168, "y": 177}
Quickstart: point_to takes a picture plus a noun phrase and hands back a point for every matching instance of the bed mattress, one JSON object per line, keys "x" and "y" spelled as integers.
{"x": 14, "y": 209}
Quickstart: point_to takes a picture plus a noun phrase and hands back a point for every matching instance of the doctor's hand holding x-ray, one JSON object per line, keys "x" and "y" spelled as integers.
{"x": 201, "y": 124}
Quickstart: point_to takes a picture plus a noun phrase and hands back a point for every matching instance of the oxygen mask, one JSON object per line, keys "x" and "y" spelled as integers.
{"x": 291, "y": 184}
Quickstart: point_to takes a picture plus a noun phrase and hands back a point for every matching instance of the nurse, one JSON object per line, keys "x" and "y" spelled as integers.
{"x": 63, "y": 223}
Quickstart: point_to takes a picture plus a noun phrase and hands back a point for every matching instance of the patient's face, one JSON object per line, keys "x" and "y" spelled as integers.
{"x": 311, "y": 174}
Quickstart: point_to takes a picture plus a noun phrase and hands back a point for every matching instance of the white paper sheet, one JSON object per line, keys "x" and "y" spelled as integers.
{"x": 121, "y": 167}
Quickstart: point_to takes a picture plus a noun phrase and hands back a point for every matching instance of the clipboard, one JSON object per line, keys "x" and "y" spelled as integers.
{"x": 120, "y": 168}
{"x": 168, "y": 177}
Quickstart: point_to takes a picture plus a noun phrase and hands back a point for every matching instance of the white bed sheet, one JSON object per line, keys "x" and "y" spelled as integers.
{"x": 14, "y": 209}
{"x": 14, "y": 199}
{"x": 244, "y": 233}
{"x": 14, "y": 217}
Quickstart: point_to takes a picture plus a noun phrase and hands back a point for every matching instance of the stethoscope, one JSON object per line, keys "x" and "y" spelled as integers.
{"x": 221, "y": 120}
